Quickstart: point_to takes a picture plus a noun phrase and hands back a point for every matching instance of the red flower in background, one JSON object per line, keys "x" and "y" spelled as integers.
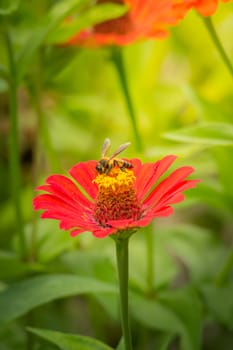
{"x": 144, "y": 19}
{"x": 119, "y": 200}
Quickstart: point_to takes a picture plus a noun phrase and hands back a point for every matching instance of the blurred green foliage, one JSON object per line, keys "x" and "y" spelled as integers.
{"x": 69, "y": 100}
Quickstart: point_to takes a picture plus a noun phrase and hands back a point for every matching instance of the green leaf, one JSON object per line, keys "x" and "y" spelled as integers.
{"x": 69, "y": 341}
{"x": 220, "y": 302}
{"x": 164, "y": 343}
{"x": 207, "y": 110}
{"x": 94, "y": 15}
{"x": 209, "y": 134}
{"x": 57, "y": 14}
{"x": 120, "y": 345}
{"x": 23, "y": 296}
{"x": 49, "y": 244}
{"x": 172, "y": 312}
{"x": 194, "y": 249}
{"x": 223, "y": 156}
{"x": 56, "y": 60}
{"x": 8, "y": 6}
{"x": 216, "y": 198}
{"x": 11, "y": 266}
{"x": 187, "y": 306}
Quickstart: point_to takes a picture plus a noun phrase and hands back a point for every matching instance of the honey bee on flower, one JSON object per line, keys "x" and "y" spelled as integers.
{"x": 106, "y": 164}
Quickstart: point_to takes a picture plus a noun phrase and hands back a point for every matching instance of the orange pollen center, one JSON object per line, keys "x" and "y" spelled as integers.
{"x": 120, "y": 25}
{"x": 116, "y": 199}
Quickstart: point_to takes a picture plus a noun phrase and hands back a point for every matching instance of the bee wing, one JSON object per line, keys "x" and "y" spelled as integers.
{"x": 120, "y": 149}
{"x": 105, "y": 147}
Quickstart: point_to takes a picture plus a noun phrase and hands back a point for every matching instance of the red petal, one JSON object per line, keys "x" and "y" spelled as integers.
{"x": 157, "y": 212}
{"x": 60, "y": 215}
{"x": 48, "y": 201}
{"x": 167, "y": 184}
{"x": 174, "y": 196}
{"x": 143, "y": 221}
{"x": 103, "y": 232}
{"x": 137, "y": 164}
{"x": 165, "y": 211}
{"x": 57, "y": 209}
{"x": 150, "y": 173}
{"x": 84, "y": 173}
{"x": 63, "y": 188}
{"x": 120, "y": 224}
{"x": 56, "y": 194}
{"x": 81, "y": 222}
{"x": 76, "y": 232}
{"x": 70, "y": 221}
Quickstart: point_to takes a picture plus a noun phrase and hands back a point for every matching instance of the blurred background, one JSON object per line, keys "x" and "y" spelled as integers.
{"x": 68, "y": 100}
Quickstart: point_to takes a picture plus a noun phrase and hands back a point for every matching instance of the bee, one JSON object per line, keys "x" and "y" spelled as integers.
{"x": 106, "y": 164}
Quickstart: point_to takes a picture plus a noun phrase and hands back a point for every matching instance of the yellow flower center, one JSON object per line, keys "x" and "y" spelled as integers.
{"x": 116, "y": 199}
{"x": 116, "y": 180}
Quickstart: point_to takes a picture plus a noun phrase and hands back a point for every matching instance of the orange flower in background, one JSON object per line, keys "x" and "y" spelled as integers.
{"x": 144, "y": 19}
{"x": 204, "y": 7}
{"x": 117, "y": 195}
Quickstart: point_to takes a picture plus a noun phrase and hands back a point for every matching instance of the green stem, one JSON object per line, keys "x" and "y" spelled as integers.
{"x": 122, "y": 266}
{"x": 118, "y": 60}
{"x": 43, "y": 128}
{"x": 223, "y": 274}
{"x": 210, "y": 27}
{"x": 14, "y": 145}
{"x": 35, "y": 88}
{"x": 150, "y": 259}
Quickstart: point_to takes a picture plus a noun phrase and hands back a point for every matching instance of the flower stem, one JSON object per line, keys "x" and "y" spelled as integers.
{"x": 150, "y": 259}
{"x": 122, "y": 266}
{"x": 14, "y": 144}
{"x": 118, "y": 60}
{"x": 210, "y": 27}
{"x": 225, "y": 270}
{"x": 43, "y": 127}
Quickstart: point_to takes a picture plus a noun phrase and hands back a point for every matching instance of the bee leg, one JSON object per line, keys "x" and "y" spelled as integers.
{"x": 122, "y": 168}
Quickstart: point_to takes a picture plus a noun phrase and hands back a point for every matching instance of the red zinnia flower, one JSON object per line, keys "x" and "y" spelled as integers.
{"x": 144, "y": 19}
{"x": 108, "y": 203}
